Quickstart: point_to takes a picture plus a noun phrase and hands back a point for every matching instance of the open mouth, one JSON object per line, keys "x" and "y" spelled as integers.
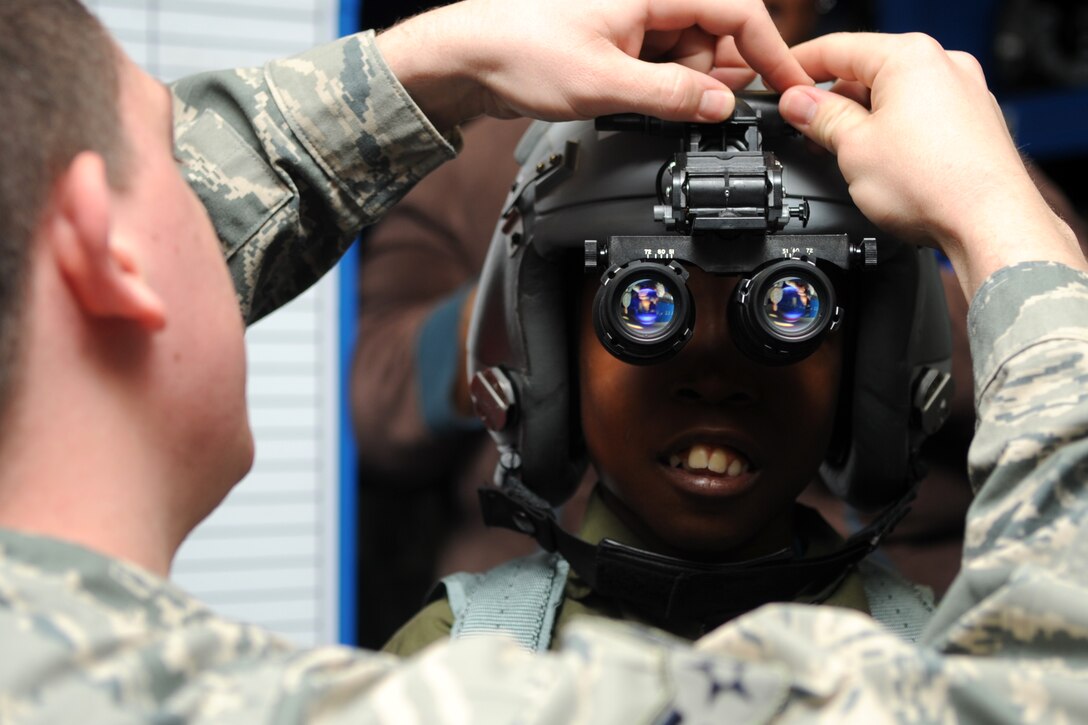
{"x": 708, "y": 459}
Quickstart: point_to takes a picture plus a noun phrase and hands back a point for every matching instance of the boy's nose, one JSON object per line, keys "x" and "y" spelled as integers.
{"x": 710, "y": 368}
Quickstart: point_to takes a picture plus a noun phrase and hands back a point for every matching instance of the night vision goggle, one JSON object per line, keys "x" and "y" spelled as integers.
{"x": 723, "y": 197}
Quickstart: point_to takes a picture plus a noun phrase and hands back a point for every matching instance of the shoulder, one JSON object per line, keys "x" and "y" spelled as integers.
{"x": 519, "y": 600}
{"x": 901, "y": 606}
{"x": 431, "y": 624}
{"x": 98, "y": 639}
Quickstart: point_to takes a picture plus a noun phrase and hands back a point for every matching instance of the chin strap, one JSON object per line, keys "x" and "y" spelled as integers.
{"x": 668, "y": 588}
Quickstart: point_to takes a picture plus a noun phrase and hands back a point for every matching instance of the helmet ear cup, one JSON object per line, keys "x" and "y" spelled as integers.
{"x": 533, "y": 349}
{"x": 901, "y": 333}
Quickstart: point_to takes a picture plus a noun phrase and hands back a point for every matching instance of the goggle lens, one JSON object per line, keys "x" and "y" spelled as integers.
{"x": 792, "y": 305}
{"x": 647, "y": 308}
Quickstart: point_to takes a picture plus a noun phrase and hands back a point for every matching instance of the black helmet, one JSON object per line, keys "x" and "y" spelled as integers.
{"x": 586, "y": 190}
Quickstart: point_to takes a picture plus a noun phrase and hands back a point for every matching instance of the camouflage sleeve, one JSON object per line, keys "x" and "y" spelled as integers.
{"x": 293, "y": 159}
{"x": 1025, "y": 549}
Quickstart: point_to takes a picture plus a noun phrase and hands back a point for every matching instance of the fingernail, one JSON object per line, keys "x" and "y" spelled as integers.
{"x": 715, "y": 105}
{"x": 798, "y": 107}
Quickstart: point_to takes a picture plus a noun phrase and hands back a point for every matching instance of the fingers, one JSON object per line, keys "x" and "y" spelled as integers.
{"x": 563, "y": 59}
{"x": 727, "y": 55}
{"x": 698, "y": 50}
{"x": 691, "y": 47}
{"x": 717, "y": 56}
{"x": 968, "y": 63}
{"x": 666, "y": 90}
{"x": 972, "y": 69}
{"x": 729, "y": 66}
{"x": 736, "y": 78}
{"x": 856, "y": 92}
{"x": 822, "y": 116}
{"x": 861, "y": 56}
{"x": 747, "y": 21}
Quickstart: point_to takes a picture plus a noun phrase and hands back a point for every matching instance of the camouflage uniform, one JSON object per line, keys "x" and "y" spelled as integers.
{"x": 293, "y": 159}
{"x": 89, "y": 638}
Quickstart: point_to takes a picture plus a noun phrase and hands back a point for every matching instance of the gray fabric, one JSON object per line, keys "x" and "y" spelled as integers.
{"x": 519, "y": 599}
{"x": 902, "y": 607}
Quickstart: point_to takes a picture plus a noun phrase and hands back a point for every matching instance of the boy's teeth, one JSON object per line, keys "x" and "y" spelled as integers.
{"x": 707, "y": 458}
{"x": 718, "y": 461}
{"x": 698, "y": 456}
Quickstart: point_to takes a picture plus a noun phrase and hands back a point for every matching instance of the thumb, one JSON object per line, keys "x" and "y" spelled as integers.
{"x": 666, "y": 90}
{"x": 822, "y": 116}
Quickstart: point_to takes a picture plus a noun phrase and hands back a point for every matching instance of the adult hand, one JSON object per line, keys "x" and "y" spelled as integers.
{"x": 570, "y": 59}
{"x": 924, "y": 147}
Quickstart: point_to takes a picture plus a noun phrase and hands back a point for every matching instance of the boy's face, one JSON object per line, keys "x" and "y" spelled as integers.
{"x": 706, "y": 453}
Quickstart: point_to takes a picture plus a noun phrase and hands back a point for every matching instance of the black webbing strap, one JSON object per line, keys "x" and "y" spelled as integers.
{"x": 669, "y": 588}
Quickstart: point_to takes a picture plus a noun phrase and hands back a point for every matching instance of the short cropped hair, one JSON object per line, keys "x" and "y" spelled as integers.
{"x": 59, "y": 91}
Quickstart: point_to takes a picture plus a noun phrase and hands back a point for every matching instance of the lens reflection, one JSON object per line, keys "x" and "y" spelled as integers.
{"x": 791, "y": 304}
{"x": 646, "y": 307}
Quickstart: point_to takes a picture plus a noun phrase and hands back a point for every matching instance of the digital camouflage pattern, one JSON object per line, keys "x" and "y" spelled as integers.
{"x": 91, "y": 638}
{"x": 95, "y": 640}
{"x": 294, "y": 158}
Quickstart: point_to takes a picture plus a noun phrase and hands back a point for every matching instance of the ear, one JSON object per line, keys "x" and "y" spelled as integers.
{"x": 104, "y": 277}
